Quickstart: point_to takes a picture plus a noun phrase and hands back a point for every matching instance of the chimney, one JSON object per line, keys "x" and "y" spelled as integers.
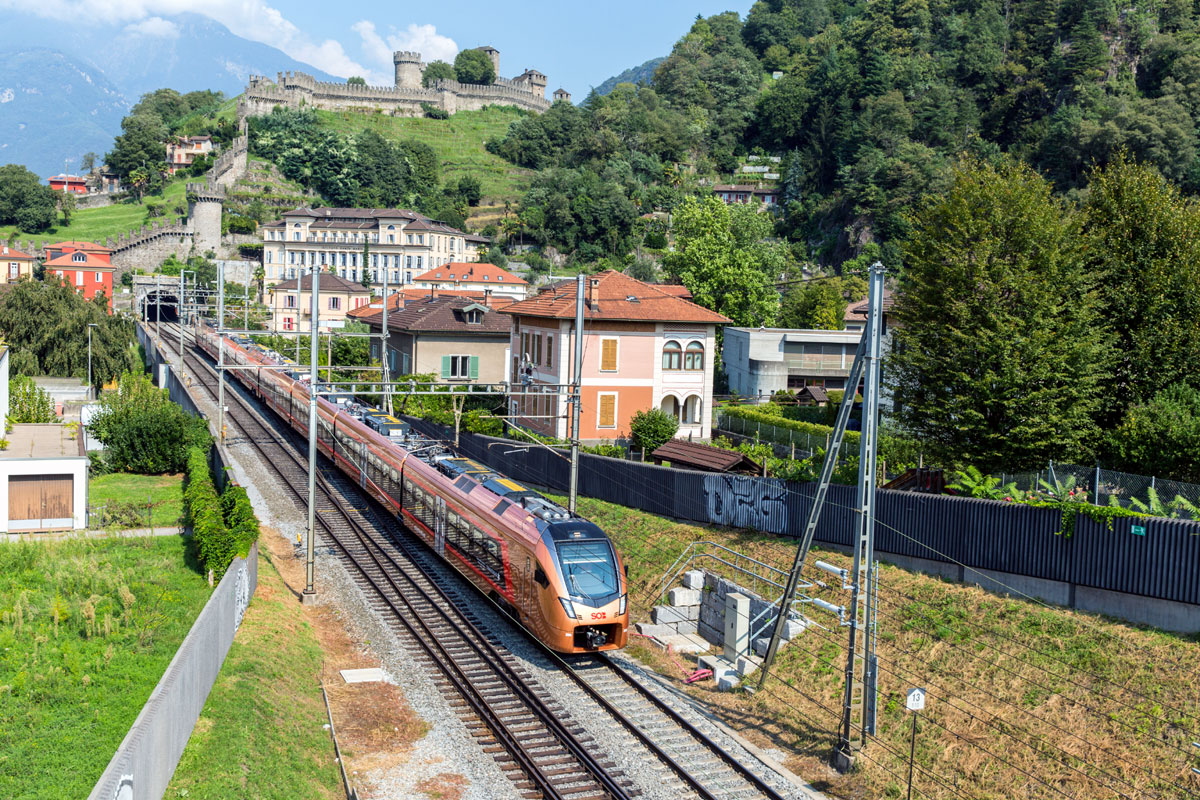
{"x": 487, "y": 297}
{"x": 5, "y": 249}
{"x": 593, "y": 291}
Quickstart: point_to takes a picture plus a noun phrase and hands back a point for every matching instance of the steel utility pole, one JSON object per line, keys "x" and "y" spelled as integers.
{"x": 858, "y": 705}
{"x": 383, "y": 349}
{"x": 181, "y": 307}
{"x": 157, "y": 308}
{"x": 310, "y": 593}
{"x": 246, "y": 307}
{"x": 576, "y": 393}
{"x": 220, "y": 351}
{"x": 832, "y": 451}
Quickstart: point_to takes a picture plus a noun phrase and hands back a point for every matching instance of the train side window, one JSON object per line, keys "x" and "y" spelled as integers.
{"x": 539, "y": 576}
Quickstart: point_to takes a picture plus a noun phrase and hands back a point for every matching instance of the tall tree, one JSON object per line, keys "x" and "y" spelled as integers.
{"x": 720, "y": 257}
{"x": 999, "y": 355}
{"x": 24, "y": 201}
{"x": 437, "y": 71}
{"x": 1144, "y": 248}
{"x": 474, "y": 66}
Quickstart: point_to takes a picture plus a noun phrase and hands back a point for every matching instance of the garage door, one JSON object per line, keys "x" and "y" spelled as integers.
{"x": 39, "y": 502}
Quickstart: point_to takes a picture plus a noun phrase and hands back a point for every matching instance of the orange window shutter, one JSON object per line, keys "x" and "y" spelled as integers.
{"x": 608, "y": 355}
{"x": 608, "y": 410}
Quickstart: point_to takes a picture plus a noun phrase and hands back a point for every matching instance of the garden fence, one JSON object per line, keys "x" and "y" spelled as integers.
{"x": 1101, "y": 484}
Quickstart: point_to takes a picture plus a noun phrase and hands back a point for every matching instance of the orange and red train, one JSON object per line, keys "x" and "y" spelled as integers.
{"x": 558, "y": 573}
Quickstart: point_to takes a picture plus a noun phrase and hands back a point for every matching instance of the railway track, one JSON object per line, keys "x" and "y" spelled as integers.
{"x": 537, "y": 742}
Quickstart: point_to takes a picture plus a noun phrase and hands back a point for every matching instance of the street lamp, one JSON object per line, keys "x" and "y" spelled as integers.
{"x": 90, "y": 326}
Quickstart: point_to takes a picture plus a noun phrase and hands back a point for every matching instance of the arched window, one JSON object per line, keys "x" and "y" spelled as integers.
{"x": 693, "y": 358}
{"x": 691, "y": 410}
{"x": 672, "y": 356}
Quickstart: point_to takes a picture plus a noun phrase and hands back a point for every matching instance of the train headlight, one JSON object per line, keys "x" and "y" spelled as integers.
{"x": 624, "y": 597}
{"x": 567, "y": 607}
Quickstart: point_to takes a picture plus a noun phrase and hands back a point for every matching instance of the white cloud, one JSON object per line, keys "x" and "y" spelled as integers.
{"x": 251, "y": 19}
{"x": 423, "y": 39}
{"x": 154, "y": 26}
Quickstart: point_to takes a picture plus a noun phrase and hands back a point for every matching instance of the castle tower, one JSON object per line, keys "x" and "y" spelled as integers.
{"x": 562, "y": 94}
{"x": 408, "y": 69}
{"x": 494, "y": 55}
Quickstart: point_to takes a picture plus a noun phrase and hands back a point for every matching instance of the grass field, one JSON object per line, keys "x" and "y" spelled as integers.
{"x": 87, "y": 627}
{"x": 458, "y": 141}
{"x": 1024, "y": 700}
{"x": 163, "y": 492}
{"x": 94, "y": 224}
{"x": 261, "y": 732}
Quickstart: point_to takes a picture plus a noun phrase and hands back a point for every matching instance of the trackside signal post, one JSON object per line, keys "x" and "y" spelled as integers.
{"x": 858, "y": 708}
{"x": 314, "y": 336}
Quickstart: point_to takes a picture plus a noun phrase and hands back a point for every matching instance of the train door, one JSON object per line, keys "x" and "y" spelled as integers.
{"x": 362, "y": 464}
{"x": 439, "y": 526}
{"x": 527, "y": 600}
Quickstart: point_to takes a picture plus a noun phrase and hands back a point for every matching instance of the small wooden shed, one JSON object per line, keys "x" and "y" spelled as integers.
{"x": 696, "y": 455}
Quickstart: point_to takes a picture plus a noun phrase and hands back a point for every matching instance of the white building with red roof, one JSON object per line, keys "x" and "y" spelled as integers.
{"x": 15, "y": 265}
{"x": 643, "y": 347}
{"x": 474, "y": 277}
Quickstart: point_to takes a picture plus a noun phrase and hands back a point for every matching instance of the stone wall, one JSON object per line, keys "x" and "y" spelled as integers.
{"x": 149, "y": 252}
{"x": 296, "y": 89}
{"x": 712, "y": 608}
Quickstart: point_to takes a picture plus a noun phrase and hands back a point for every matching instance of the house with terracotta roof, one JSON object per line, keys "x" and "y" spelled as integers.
{"x": 68, "y": 183}
{"x": 474, "y": 277}
{"x": 85, "y": 265}
{"x": 643, "y": 348}
{"x": 458, "y": 339}
{"x": 291, "y": 301}
{"x": 183, "y": 150}
{"x": 15, "y": 265}
{"x": 399, "y": 297}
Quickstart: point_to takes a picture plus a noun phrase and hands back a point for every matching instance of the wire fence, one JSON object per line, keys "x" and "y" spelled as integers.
{"x": 1103, "y": 484}
{"x": 786, "y": 442}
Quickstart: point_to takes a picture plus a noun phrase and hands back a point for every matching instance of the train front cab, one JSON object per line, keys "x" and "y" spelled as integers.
{"x": 591, "y": 600}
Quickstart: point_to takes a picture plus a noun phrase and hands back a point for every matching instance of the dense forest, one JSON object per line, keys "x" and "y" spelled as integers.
{"x": 876, "y": 101}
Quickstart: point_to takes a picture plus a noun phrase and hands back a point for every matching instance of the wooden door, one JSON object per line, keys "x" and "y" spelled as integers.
{"x": 36, "y": 501}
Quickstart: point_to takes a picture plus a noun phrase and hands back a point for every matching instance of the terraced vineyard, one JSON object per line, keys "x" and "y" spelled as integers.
{"x": 263, "y": 182}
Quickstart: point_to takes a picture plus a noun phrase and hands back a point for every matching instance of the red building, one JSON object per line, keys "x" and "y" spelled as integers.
{"x": 85, "y": 265}
{"x": 68, "y": 183}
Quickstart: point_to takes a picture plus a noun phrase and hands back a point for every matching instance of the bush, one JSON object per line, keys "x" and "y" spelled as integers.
{"x": 143, "y": 431}
{"x": 434, "y": 112}
{"x": 652, "y": 429}
{"x": 28, "y": 402}
{"x": 1162, "y": 437}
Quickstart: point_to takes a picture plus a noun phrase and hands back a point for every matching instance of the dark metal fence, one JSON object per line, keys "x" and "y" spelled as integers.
{"x": 1160, "y": 560}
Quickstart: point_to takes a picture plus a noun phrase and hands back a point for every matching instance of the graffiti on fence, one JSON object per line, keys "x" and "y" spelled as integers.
{"x": 739, "y": 501}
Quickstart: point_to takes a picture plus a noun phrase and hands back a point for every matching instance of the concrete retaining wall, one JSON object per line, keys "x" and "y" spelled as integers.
{"x": 712, "y": 608}
{"x": 146, "y": 760}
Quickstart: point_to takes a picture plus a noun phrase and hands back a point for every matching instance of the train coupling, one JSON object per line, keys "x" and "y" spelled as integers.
{"x": 595, "y": 638}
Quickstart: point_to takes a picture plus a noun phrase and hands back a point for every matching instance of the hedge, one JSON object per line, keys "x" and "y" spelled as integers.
{"x": 223, "y": 526}
{"x": 900, "y": 452}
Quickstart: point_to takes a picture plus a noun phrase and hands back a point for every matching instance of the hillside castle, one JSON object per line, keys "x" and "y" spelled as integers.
{"x": 405, "y": 99}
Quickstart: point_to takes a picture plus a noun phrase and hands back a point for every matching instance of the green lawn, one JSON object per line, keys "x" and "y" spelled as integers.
{"x": 95, "y": 224}
{"x": 261, "y": 732}
{"x": 1051, "y": 692}
{"x": 87, "y": 627}
{"x": 458, "y": 141}
{"x": 126, "y": 496}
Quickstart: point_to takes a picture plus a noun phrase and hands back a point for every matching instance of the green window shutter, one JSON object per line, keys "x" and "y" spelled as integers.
{"x": 445, "y": 366}
{"x": 474, "y": 368}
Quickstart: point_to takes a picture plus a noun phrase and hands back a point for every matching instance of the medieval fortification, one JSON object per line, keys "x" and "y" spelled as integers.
{"x": 405, "y": 99}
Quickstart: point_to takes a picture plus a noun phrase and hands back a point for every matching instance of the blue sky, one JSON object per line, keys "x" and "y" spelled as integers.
{"x": 577, "y": 44}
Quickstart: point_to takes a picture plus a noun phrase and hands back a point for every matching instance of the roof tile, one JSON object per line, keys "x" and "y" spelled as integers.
{"x": 616, "y": 297}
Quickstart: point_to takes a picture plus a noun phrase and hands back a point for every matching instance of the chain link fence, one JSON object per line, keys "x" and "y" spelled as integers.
{"x": 1103, "y": 484}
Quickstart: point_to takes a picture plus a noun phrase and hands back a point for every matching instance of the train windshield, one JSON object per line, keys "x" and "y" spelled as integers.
{"x": 589, "y": 569}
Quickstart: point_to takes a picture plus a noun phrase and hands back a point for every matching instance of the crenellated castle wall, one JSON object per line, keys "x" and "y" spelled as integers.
{"x": 298, "y": 89}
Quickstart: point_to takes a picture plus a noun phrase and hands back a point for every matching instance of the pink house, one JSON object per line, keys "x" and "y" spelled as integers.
{"x": 644, "y": 347}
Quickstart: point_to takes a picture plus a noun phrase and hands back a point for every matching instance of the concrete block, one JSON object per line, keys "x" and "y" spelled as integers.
{"x": 710, "y": 633}
{"x": 667, "y": 615}
{"x": 708, "y": 662}
{"x": 699, "y": 642}
{"x": 761, "y": 644}
{"x": 793, "y": 628}
{"x": 693, "y": 579}
{"x": 691, "y": 612}
{"x": 685, "y": 644}
{"x": 684, "y": 597}
{"x": 658, "y": 631}
{"x": 748, "y": 665}
{"x": 690, "y": 628}
{"x": 727, "y": 683}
